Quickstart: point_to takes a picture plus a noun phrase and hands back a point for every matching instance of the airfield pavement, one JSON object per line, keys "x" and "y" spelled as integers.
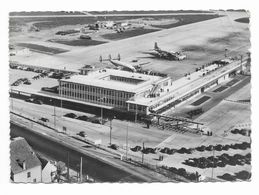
{"x": 203, "y": 42}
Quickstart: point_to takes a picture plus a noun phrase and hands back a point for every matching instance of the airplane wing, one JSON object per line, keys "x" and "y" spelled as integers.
{"x": 123, "y": 64}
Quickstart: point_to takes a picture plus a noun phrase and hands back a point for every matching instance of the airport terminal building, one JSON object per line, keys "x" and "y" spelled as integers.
{"x": 141, "y": 93}
{"x": 112, "y": 88}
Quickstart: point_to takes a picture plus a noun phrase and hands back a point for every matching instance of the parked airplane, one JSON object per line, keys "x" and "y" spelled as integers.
{"x": 118, "y": 63}
{"x": 169, "y": 55}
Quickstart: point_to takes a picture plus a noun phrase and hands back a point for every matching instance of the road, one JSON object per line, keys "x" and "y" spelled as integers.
{"x": 96, "y": 169}
{"x": 95, "y": 160}
{"x": 137, "y": 133}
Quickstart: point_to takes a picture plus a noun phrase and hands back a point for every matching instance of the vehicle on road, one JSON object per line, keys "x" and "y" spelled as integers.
{"x": 37, "y": 101}
{"x": 136, "y": 148}
{"x": 44, "y": 119}
{"x": 82, "y": 134}
{"x": 95, "y": 120}
{"x": 33, "y": 100}
{"x": 29, "y": 100}
{"x": 70, "y": 115}
{"x": 114, "y": 147}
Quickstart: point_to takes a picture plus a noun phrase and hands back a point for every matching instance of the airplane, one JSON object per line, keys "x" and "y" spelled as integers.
{"x": 168, "y": 55}
{"x": 118, "y": 63}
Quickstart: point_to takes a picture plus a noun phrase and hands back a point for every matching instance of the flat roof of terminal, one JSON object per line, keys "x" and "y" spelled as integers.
{"x": 187, "y": 84}
{"x": 97, "y": 79}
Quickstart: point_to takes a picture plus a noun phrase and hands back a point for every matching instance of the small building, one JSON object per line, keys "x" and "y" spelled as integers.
{"x": 25, "y": 165}
{"x": 109, "y": 24}
{"x": 49, "y": 171}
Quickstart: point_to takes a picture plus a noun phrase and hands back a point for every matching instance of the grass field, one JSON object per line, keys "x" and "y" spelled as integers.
{"x": 220, "y": 89}
{"x": 78, "y": 42}
{"x": 52, "y": 22}
{"x": 127, "y": 34}
{"x": 187, "y": 19}
{"x": 44, "y": 13}
{"x": 148, "y": 12}
{"x": 243, "y": 20}
{"x": 200, "y": 101}
{"x": 42, "y": 49}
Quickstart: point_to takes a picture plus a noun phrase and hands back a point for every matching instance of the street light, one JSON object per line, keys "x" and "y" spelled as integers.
{"x": 100, "y": 100}
{"x": 52, "y": 100}
{"x": 136, "y": 114}
{"x": 111, "y": 129}
{"x": 127, "y": 134}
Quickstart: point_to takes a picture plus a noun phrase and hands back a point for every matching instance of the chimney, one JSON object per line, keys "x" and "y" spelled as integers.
{"x": 24, "y": 165}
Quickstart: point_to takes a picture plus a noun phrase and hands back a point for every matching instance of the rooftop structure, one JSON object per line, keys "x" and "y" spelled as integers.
{"x": 116, "y": 80}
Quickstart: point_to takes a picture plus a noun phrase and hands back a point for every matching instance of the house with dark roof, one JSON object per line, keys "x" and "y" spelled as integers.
{"x": 25, "y": 165}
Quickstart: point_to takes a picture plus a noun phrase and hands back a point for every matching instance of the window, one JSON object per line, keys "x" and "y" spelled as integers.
{"x": 34, "y": 180}
{"x": 28, "y": 174}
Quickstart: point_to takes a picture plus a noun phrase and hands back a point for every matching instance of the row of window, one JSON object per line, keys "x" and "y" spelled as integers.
{"x": 171, "y": 97}
{"x": 82, "y": 92}
{"x": 126, "y": 80}
{"x": 96, "y": 99}
{"x": 140, "y": 108}
{"x": 93, "y": 89}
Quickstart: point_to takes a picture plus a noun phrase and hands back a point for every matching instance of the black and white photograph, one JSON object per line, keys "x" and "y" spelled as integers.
{"x": 130, "y": 96}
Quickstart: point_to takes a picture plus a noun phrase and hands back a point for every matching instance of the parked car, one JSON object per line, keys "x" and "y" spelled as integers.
{"x": 82, "y": 134}
{"x": 201, "y": 148}
{"x": 95, "y": 120}
{"x": 114, "y": 147}
{"x": 210, "y": 148}
{"x": 136, "y": 148}
{"x": 37, "y": 101}
{"x": 44, "y": 119}
{"x": 27, "y": 82}
{"x": 83, "y": 118}
{"x": 218, "y": 147}
{"x": 29, "y": 100}
{"x": 225, "y": 147}
{"x": 70, "y": 115}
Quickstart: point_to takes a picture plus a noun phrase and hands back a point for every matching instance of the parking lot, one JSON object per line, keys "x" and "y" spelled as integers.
{"x": 36, "y": 84}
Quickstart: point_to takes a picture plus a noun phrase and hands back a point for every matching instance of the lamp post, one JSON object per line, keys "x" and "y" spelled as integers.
{"x": 113, "y": 117}
{"x": 54, "y": 114}
{"x": 111, "y": 131}
{"x": 102, "y": 115}
{"x": 127, "y": 134}
{"x": 241, "y": 62}
{"x": 100, "y": 100}
{"x": 136, "y": 114}
{"x": 143, "y": 153}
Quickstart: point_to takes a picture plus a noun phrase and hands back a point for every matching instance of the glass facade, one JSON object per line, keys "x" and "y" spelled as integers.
{"x": 96, "y": 95}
